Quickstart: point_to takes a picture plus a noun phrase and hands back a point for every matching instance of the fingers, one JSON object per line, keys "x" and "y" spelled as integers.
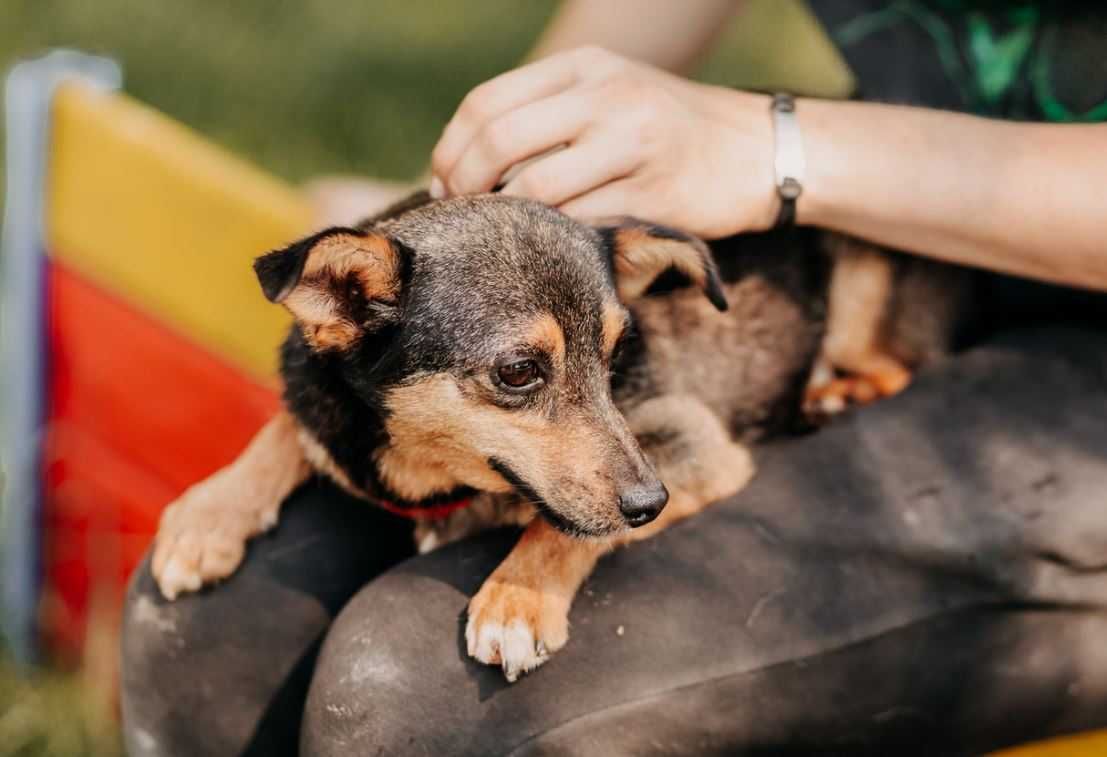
{"x": 564, "y": 175}
{"x": 496, "y": 97}
{"x": 614, "y": 199}
{"x": 515, "y": 136}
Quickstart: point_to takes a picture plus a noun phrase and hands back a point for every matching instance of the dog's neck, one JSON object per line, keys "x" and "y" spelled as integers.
{"x": 416, "y": 478}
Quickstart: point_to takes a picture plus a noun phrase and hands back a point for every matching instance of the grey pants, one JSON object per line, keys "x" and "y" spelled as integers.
{"x": 924, "y": 576}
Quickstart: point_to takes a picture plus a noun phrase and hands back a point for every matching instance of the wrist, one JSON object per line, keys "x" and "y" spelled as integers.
{"x": 825, "y": 152}
{"x": 747, "y": 168}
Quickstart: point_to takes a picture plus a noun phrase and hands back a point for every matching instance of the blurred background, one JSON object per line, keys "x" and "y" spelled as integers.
{"x": 309, "y": 87}
{"x": 147, "y": 283}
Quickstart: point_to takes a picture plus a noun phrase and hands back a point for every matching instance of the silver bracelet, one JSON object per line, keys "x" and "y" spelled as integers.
{"x": 790, "y": 164}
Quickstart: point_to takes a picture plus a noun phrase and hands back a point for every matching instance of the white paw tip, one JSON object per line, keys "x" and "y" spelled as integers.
{"x": 518, "y": 645}
{"x": 471, "y": 638}
{"x": 488, "y": 643}
{"x": 175, "y": 579}
{"x": 513, "y": 647}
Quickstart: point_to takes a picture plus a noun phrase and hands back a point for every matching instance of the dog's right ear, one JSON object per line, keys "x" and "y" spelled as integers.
{"x": 338, "y": 284}
{"x": 642, "y": 252}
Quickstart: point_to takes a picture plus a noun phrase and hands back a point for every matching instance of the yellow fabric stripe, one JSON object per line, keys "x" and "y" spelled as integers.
{"x": 1081, "y": 745}
{"x": 150, "y": 211}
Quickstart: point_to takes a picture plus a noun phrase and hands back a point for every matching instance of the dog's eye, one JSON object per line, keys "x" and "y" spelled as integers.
{"x": 518, "y": 374}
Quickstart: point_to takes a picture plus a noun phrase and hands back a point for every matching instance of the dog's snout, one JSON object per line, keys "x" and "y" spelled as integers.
{"x": 641, "y": 504}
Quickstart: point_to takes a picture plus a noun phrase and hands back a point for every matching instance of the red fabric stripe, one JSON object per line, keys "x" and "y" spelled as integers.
{"x": 136, "y": 413}
{"x": 159, "y": 399}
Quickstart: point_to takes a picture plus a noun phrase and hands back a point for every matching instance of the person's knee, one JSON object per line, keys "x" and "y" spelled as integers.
{"x": 370, "y": 686}
{"x": 155, "y": 633}
{"x": 393, "y": 665}
{"x": 219, "y": 672}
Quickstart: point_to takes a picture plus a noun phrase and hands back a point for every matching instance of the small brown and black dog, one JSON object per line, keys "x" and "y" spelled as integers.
{"x": 491, "y": 351}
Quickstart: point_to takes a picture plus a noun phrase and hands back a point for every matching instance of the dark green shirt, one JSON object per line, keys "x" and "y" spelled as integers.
{"x": 1040, "y": 60}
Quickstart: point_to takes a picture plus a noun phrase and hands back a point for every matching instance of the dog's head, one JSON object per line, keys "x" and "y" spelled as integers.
{"x": 485, "y": 329}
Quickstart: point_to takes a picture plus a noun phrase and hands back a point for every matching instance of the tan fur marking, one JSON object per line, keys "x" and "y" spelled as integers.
{"x": 546, "y": 334}
{"x": 615, "y": 319}
{"x": 434, "y": 430}
{"x": 319, "y": 317}
{"x": 371, "y": 259}
{"x": 202, "y": 536}
{"x": 442, "y": 437}
{"x": 640, "y": 258}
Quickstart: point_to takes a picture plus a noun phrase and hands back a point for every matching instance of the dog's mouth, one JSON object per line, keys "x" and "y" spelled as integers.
{"x": 551, "y": 516}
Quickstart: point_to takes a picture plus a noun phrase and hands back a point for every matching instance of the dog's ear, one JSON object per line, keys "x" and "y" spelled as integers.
{"x": 642, "y": 254}
{"x": 338, "y": 284}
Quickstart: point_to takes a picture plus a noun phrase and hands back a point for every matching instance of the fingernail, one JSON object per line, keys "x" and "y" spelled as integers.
{"x": 437, "y": 188}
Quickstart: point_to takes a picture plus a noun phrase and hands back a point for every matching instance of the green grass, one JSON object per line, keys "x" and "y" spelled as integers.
{"x": 309, "y": 87}
{"x": 303, "y": 86}
{"x": 51, "y": 714}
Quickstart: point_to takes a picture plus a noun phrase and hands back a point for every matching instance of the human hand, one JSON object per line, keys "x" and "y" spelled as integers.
{"x": 637, "y": 141}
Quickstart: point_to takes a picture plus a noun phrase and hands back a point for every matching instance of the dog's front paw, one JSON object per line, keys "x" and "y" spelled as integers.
{"x": 515, "y": 626}
{"x": 202, "y": 538}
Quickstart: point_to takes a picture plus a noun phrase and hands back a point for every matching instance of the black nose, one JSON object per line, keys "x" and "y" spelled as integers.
{"x": 641, "y": 504}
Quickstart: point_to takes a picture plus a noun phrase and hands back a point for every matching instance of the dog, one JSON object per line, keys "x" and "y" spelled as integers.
{"x": 889, "y": 315}
{"x": 485, "y": 360}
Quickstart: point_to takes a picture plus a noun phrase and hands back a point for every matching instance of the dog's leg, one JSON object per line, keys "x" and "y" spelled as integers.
{"x": 861, "y": 290}
{"x": 520, "y": 616}
{"x": 202, "y": 535}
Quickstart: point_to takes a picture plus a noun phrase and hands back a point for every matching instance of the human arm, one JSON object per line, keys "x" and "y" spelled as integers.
{"x": 1020, "y": 198}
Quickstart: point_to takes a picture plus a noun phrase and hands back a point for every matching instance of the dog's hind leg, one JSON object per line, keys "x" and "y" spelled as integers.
{"x": 202, "y": 535}
{"x": 862, "y": 287}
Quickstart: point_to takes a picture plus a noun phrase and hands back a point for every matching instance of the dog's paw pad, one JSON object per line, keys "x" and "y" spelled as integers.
{"x": 512, "y": 627}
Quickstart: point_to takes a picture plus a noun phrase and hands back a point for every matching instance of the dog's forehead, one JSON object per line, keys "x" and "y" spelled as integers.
{"x": 488, "y": 232}
{"x": 504, "y": 253}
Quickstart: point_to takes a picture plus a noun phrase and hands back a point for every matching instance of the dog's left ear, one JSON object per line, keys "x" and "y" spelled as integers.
{"x": 338, "y": 284}
{"x": 641, "y": 253}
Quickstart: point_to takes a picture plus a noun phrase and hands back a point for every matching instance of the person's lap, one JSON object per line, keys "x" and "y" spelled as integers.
{"x": 227, "y": 671}
{"x": 923, "y": 573}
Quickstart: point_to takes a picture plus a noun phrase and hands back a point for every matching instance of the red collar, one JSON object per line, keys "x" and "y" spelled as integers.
{"x": 430, "y": 512}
